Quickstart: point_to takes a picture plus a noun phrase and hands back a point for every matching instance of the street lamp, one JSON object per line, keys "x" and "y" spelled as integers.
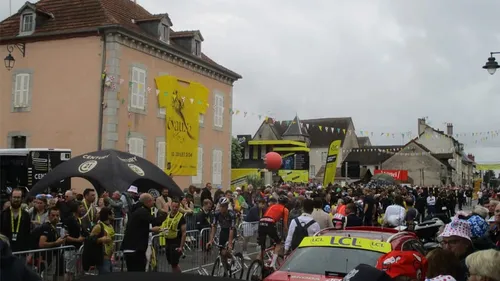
{"x": 9, "y": 60}
{"x": 492, "y": 65}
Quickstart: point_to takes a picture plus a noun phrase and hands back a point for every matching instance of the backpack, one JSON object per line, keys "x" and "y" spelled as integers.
{"x": 299, "y": 233}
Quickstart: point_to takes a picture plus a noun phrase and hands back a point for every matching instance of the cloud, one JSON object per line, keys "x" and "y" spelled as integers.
{"x": 384, "y": 63}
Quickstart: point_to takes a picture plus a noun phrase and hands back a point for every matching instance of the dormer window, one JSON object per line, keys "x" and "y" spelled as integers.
{"x": 164, "y": 33}
{"x": 197, "y": 48}
{"x": 27, "y": 23}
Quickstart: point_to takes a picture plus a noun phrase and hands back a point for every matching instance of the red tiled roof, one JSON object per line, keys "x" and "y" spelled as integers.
{"x": 79, "y": 15}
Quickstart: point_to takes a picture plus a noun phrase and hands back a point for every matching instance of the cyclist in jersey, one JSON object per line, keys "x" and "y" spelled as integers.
{"x": 226, "y": 219}
{"x": 267, "y": 226}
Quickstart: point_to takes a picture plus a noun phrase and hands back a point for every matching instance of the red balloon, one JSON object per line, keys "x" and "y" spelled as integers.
{"x": 273, "y": 161}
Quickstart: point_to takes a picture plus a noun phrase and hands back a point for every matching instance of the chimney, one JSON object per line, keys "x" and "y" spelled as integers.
{"x": 421, "y": 126}
{"x": 449, "y": 129}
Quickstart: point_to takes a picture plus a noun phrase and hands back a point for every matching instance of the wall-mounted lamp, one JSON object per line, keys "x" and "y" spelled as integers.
{"x": 9, "y": 60}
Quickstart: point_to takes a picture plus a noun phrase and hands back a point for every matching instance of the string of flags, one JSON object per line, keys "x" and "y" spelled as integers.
{"x": 404, "y": 151}
{"x": 114, "y": 84}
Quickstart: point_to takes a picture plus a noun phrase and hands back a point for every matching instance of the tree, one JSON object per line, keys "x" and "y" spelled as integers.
{"x": 488, "y": 176}
{"x": 236, "y": 154}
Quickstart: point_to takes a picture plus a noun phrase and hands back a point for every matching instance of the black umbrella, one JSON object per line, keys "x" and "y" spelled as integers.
{"x": 153, "y": 276}
{"x": 110, "y": 170}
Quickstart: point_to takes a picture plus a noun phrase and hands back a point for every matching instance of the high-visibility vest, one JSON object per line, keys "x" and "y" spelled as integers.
{"x": 170, "y": 224}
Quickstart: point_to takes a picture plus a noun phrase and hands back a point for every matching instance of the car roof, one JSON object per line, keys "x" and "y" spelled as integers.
{"x": 373, "y": 233}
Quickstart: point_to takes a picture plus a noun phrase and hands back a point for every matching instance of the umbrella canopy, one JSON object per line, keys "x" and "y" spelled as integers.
{"x": 110, "y": 170}
{"x": 384, "y": 177}
{"x": 153, "y": 276}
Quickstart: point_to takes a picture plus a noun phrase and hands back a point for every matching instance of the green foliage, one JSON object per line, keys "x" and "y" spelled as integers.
{"x": 236, "y": 154}
{"x": 255, "y": 180}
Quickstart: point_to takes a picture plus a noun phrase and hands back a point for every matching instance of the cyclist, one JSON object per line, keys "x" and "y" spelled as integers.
{"x": 268, "y": 227}
{"x": 226, "y": 219}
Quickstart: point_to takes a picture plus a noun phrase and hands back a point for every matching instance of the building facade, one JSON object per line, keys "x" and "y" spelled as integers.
{"x": 86, "y": 82}
{"x": 445, "y": 147}
{"x": 423, "y": 168}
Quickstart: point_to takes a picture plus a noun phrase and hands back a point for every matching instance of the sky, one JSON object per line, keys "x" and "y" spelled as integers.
{"x": 383, "y": 63}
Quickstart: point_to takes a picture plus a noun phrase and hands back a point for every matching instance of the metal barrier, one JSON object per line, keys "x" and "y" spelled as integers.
{"x": 196, "y": 258}
{"x": 52, "y": 262}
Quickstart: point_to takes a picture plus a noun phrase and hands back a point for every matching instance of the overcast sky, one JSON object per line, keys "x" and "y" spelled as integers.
{"x": 383, "y": 63}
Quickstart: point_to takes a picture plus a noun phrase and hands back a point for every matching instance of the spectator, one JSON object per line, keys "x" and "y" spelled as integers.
{"x": 351, "y": 219}
{"x": 206, "y": 193}
{"x": 442, "y": 263}
{"x": 305, "y": 219}
{"x": 251, "y": 225}
{"x": 75, "y": 238}
{"x": 163, "y": 202}
{"x": 128, "y": 198}
{"x": 322, "y": 218}
{"x": 175, "y": 236}
{"x": 484, "y": 265}
{"x": 12, "y": 268}
{"x": 16, "y": 223}
{"x": 51, "y": 238}
{"x": 90, "y": 218}
{"x": 105, "y": 239}
{"x": 39, "y": 211}
{"x": 64, "y": 205}
{"x": 456, "y": 237}
{"x": 395, "y": 214}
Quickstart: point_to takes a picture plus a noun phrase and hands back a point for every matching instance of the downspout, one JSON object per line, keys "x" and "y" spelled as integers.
{"x": 101, "y": 95}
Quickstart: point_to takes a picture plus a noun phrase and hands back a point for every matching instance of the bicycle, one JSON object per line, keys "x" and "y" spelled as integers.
{"x": 257, "y": 270}
{"x": 228, "y": 266}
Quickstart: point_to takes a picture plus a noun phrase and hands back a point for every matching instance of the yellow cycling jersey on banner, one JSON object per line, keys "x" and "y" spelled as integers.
{"x": 183, "y": 105}
{"x": 346, "y": 242}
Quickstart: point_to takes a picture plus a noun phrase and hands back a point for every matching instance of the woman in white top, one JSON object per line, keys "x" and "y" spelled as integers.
{"x": 395, "y": 214}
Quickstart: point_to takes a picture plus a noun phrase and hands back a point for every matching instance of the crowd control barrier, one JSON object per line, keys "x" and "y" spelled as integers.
{"x": 196, "y": 258}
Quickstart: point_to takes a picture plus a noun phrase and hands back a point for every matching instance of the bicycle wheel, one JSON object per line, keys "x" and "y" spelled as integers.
{"x": 255, "y": 271}
{"x": 218, "y": 269}
{"x": 239, "y": 262}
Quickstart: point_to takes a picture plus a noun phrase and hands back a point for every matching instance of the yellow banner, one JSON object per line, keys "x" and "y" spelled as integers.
{"x": 346, "y": 242}
{"x": 486, "y": 167}
{"x": 331, "y": 163}
{"x": 184, "y": 102}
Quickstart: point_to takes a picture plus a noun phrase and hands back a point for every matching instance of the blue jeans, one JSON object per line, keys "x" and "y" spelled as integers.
{"x": 106, "y": 267}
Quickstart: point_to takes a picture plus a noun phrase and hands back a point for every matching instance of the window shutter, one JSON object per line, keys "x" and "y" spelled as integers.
{"x": 25, "y": 89}
{"x": 135, "y": 88}
{"x": 142, "y": 90}
{"x": 17, "y": 91}
{"x": 161, "y": 155}
{"x": 140, "y": 147}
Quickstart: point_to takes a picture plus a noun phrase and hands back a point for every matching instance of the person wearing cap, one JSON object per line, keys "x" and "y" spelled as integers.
{"x": 128, "y": 198}
{"x": 456, "y": 237}
{"x": 403, "y": 265}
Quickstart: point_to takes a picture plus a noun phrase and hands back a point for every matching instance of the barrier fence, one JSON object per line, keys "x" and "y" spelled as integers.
{"x": 196, "y": 259}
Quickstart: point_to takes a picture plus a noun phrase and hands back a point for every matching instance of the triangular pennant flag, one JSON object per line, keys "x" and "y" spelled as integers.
{"x": 307, "y": 125}
{"x": 245, "y": 114}
{"x": 191, "y": 100}
{"x": 320, "y": 128}
{"x": 157, "y": 92}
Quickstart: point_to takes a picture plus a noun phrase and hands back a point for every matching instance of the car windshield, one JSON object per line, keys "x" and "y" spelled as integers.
{"x": 338, "y": 260}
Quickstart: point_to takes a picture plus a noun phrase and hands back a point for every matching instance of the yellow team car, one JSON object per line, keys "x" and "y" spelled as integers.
{"x": 329, "y": 258}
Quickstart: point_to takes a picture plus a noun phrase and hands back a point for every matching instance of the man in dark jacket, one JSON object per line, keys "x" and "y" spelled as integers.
{"x": 11, "y": 267}
{"x": 135, "y": 240}
{"x": 206, "y": 193}
{"x": 351, "y": 218}
{"x": 16, "y": 223}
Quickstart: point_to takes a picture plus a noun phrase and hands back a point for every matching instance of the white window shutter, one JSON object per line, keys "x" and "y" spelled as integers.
{"x": 140, "y": 147}
{"x": 25, "y": 90}
{"x": 17, "y": 91}
{"x": 161, "y": 155}
{"x": 199, "y": 168}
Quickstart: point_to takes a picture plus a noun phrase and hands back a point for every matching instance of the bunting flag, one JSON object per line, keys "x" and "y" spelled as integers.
{"x": 113, "y": 84}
